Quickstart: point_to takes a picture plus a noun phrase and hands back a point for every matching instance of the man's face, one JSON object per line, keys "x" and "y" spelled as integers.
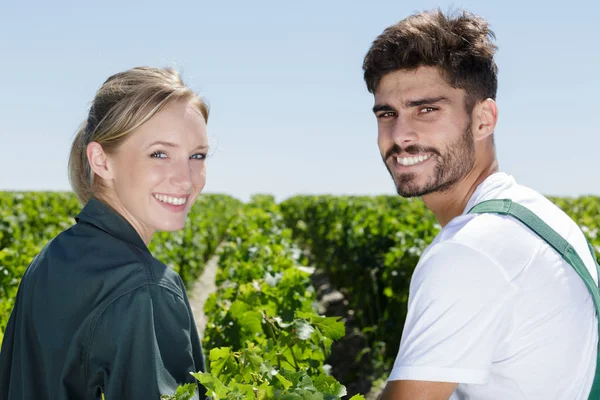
{"x": 424, "y": 135}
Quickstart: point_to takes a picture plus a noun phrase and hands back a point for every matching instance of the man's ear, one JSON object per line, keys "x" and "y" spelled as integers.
{"x": 99, "y": 161}
{"x": 485, "y": 117}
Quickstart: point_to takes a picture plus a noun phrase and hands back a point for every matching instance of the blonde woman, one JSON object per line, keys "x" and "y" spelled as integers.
{"x": 96, "y": 313}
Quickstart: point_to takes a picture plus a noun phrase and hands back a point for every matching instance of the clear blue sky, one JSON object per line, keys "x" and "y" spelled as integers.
{"x": 289, "y": 109}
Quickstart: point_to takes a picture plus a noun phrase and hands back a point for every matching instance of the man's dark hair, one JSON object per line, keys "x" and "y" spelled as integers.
{"x": 460, "y": 46}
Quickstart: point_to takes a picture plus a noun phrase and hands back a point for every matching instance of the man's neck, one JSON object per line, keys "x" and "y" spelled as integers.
{"x": 450, "y": 204}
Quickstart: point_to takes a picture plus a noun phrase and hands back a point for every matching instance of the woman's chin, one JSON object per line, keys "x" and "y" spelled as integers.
{"x": 170, "y": 226}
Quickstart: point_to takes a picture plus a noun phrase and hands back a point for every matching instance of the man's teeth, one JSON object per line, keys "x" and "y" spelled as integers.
{"x": 176, "y": 201}
{"x": 412, "y": 160}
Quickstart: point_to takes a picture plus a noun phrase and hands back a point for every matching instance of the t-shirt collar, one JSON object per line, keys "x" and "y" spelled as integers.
{"x": 489, "y": 189}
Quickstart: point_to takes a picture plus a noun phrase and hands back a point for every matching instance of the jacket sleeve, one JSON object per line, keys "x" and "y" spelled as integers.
{"x": 142, "y": 346}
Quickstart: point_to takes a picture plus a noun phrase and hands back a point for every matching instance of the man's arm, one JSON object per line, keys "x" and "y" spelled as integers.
{"x": 417, "y": 390}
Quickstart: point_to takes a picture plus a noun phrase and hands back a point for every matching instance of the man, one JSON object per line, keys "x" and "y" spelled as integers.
{"x": 494, "y": 312}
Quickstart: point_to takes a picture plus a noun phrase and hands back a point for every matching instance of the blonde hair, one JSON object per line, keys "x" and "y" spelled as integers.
{"x": 123, "y": 103}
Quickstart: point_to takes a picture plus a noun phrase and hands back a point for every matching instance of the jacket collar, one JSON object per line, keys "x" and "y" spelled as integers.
{"x": 101, "y": 215}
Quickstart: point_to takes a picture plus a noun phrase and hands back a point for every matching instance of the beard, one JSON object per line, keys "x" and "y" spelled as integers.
{"x": 451, "y": 166}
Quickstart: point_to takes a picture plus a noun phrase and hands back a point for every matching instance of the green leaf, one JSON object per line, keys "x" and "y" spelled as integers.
{"x": 219, "y": 353}
{"x": 183, "y": 392}
{"x": 251, "y": 321}
{"x": 250, "y": 356}
{"x": 306, "y": 384}
{"x": 213, "y": 385}
{"x": 293, "y": 376}
{"x": 304, "y": 329}
{"x": 329, "y": 326}
{"x": 337, "y": 389}
{"x": 308, "y": 395}
{"x": 264, "y": 392}
{"x": 388, "y": 292}
{"x": 222, "y": 361}
{"x": 328, "y": 384}
{"x": 289, "y": 396}
{"x": 286, "y": 384}
{"x": 241, "y": 391}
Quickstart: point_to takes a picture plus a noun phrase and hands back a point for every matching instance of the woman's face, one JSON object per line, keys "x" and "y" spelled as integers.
{"x": 159, "y": 170}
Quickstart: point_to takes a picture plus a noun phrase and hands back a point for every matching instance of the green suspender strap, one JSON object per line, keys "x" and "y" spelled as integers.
{"x": 527, "y": 217}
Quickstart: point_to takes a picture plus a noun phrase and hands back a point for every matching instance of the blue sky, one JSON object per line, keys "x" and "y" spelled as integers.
{"x": 289, "y": 109}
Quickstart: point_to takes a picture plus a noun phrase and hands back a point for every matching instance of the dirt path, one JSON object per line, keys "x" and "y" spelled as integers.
{"x": 204, "y": 286}
{"x": 356, "y": 377}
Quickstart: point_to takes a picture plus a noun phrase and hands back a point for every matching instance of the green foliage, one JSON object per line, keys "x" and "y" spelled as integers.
{"x": 369, "y": 247}
{"x": 184, "y": 392}
{"x": 586, "y": 212}
{"x": 264, "y": 338}
{"x": 266, "y": 341}
{"x": 29, "y": 220}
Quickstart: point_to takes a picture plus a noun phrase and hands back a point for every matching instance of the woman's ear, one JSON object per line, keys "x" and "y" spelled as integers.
{"x": 99, "y": 161}
{"x": 485, "y": 117}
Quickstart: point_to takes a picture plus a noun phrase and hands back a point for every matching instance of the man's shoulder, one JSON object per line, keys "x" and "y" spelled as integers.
{"x": 502, "y": 239}
{"x": 487, "y": 232}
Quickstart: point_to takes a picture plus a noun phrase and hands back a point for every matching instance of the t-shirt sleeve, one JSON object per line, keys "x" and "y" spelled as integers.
{"x": 460, "y": 304}
{"x": 142, "y": 345}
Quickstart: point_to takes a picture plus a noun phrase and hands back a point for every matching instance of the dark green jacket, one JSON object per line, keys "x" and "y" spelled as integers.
{"x": 95, "y": 312}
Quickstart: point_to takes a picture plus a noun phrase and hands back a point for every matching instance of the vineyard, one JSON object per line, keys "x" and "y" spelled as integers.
{"x": 271, "y": 331}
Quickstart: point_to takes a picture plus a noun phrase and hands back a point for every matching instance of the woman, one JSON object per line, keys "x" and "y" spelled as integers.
{"x": 96, "y": 313}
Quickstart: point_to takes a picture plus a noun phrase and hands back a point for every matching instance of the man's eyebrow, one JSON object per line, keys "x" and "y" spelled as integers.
{"x": 426, "y": 100}
{"x": 382, "y": 107}
{"x": 412, "y": 103}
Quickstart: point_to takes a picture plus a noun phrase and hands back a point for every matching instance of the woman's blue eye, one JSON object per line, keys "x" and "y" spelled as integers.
{"x": 158, "y": 154}
{"x": 162, "y": 154}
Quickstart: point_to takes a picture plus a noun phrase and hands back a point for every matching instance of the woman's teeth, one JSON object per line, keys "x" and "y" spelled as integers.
{"x": 176, "y": 201}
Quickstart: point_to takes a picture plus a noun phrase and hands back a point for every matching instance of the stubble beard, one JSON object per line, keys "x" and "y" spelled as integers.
{"x": 451, "y": 167}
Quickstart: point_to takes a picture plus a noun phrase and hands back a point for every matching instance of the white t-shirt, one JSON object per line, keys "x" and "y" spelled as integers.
{"x": 496, "y": 309}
